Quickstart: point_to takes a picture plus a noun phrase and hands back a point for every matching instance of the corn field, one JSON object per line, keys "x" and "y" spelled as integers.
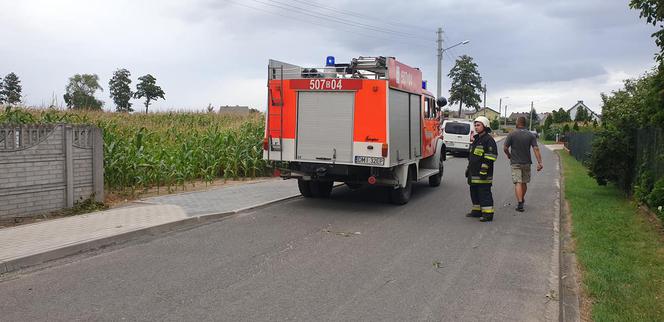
{"x": 165, "y": 149}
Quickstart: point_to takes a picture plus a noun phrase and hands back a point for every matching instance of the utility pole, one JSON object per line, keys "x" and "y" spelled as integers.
{"x": 530, "y": 127}
{"x": 505, "y": 115}
{"x": 500, "y": 105}
{"x": 484, "y": 90}
{"x": 440, "y": 61}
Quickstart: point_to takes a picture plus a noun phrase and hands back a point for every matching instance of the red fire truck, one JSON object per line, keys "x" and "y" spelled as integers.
{"x": 367, "y": 122}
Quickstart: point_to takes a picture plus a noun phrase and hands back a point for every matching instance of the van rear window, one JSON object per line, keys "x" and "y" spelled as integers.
{"x": 457, "y": 128}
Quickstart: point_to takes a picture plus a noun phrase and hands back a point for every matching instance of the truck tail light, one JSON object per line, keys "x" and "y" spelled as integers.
{"x": 265, "y": 144}
{"x": 384, "y": 150}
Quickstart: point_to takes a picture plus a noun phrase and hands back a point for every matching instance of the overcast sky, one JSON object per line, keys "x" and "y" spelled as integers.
{"x": 207, "y": 51}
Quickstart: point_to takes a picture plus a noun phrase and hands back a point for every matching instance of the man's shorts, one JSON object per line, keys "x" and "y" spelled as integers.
{"x": 521, "y": 173}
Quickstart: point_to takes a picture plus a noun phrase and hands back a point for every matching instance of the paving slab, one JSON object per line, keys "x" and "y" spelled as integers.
{"x": 36, "y": 243}
{"x": 231, "y": 198}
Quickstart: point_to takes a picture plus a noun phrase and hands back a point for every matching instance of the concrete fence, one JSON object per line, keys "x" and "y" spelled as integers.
{"x": 48, "y": 167}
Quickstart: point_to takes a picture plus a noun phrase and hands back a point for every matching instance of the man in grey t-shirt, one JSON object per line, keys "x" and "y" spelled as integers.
{"x": 517, "y": 149}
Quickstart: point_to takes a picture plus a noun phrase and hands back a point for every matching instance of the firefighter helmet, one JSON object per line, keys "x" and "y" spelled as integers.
{"x": 484, "y": 121}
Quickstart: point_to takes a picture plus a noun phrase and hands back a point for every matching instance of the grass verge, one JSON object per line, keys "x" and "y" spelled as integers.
{"x": 621, "y": 254}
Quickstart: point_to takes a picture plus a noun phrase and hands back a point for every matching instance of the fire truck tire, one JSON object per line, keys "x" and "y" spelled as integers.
{"x": 353, "y": 186}
{"x": 401, "y": 195}
{"x": 321, "y": 189}
{"x": 305, "y": 188}
{"x": 434, "y": 181}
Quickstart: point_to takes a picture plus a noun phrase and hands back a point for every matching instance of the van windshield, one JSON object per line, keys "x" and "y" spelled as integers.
{"x": 457, "y": 128}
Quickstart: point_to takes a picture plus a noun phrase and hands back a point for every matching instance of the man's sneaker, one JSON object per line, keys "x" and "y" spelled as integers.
{"x": 519, "y": 207}
{"x": 474, "y": 214}
{"x": 486, "y": 218}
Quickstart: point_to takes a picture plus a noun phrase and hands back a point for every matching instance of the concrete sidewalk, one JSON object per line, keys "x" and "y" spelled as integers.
{"x": 36, "y": 243}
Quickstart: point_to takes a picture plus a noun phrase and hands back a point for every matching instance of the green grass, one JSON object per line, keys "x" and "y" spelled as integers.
{"x": 547, "y": 141}
{"x": 620, "y": 252}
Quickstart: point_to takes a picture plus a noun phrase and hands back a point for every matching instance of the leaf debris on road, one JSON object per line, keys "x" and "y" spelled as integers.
{"x": 342, "y": 233}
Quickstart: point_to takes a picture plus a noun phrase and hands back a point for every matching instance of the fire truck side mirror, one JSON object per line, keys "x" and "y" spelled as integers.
{"x": 441, "y": 101}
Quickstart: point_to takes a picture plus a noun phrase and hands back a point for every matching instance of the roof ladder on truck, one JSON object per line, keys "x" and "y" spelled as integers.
{"x": 276, "y": 100}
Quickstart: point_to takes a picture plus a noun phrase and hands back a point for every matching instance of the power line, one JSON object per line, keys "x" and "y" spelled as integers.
{"x": 287, "y": 7}
{"x": 318, "y": 24}
{"x": 358, "y": 15}
{"x": 345, "y": 20}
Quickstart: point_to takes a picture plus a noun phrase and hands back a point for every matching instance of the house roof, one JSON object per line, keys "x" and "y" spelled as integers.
{"x": 517, "y": 114}
{"x": 580, "y": 103}
{"x": 487, "y": 108}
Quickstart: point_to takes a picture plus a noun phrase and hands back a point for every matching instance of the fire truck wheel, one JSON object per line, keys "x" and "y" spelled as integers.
{"x": 401, "y": 195}
{"x": 321, "y": 189}
{"x": 434, "y": 181}
{"x": 305, "y": 188}
{"x": 354, "y": 186}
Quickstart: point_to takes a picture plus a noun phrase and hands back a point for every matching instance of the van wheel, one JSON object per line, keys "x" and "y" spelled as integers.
{"x": 321, "y": 189}
{"x": 434, "y": 181}
{"x": 401, "y": 195}
{"x": 305, "y": 188}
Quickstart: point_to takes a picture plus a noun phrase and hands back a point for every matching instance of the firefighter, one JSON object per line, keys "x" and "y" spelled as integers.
{"x": 482, "y": 154}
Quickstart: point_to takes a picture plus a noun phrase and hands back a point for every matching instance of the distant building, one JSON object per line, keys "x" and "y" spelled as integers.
{"x": 237, "y": 109}
{"x": 465, "y": 114}
{"x": 489, "y": 113}
{"x": 514, "y": 116}
{"x": 574, "y": 109}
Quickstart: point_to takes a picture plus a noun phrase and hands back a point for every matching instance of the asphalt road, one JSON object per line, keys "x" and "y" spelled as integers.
{"x": 352, "y": 257}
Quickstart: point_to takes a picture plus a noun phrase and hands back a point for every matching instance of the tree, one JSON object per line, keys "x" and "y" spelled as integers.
{"x": 533, "y": 117}
{"x": 495, "y": 124}
{"x": 582, "y": 115}
{"x": 466, "y": 83}
{"x": 120, "y": 91}
{"x": 561, "y": 116}
{"x": 80, "y": 92}
{"x": 148, "y": 88}
{"x": 10, "y": 91}
{"x": 653, "y": 11}
{"x": 549, "y": 121}
{"x": 2, "y": 97}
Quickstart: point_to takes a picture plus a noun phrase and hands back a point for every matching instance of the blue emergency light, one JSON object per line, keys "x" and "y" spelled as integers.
{"x": 424, "y": 84}
{"x": 329, "y": 61}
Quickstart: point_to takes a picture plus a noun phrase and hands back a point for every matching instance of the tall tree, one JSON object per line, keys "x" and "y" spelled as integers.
{"x": 653, "y": 12}
{"x": 148, "y": 89}
{"x": 10, "y": 91}
{"x": 2, "y": 96}
{"x": 466, "y": 83}
{"x": 549, "y": 121}
{"x": 80, "y": 92}
{"x": 582, "y": 115}
{"x": 120, "y": 91}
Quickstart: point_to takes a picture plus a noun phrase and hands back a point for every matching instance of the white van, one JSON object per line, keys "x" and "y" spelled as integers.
{"x": 457, "y": 135}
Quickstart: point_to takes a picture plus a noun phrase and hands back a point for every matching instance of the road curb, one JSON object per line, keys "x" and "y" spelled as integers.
{"x": 90, "y": 245}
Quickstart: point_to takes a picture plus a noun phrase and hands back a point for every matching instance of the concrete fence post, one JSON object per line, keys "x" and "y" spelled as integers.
{"x": 69, "y": 165}
{"x": 98, "y": 163}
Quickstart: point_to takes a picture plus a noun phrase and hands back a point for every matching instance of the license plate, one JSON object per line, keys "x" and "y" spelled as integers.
{"x": 369, "y": 160}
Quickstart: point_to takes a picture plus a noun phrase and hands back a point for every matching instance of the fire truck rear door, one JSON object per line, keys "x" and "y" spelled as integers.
{"x": 325, "y": 126}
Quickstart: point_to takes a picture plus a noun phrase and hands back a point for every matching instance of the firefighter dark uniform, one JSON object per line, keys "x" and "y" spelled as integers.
{"x": 482, "y": 154}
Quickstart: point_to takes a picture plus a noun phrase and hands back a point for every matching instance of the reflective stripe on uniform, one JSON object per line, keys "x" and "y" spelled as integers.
{"x": 491, "y": 157}
{"x": 476, "y": 208}
{"x": 480, "y": 181}
{"x": 487, "y": 210}
{"x": 479, "y": 150}
{"x": 485, "y": 166}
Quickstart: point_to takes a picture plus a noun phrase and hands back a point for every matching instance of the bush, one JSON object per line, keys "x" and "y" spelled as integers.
{"x": 656, "y": 197}
{"x": 612, "y": 158}
{"x": 643, "y": 184}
